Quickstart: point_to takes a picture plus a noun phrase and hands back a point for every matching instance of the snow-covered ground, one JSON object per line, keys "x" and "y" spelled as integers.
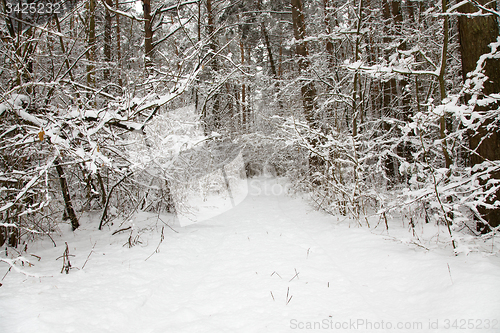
{"x": 271, "y": 264}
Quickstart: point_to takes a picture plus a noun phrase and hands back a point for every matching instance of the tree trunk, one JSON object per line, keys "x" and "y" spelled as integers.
{"x": 329, "y": 45}
{"x": 355, "y": 94}
{"x": 442, "y": 88}
{"x": 91, "y": 42}
{"x": 308, "y": 92}
{"x": 395, "y": 100}
{"x": 210, "y": 31}
{"x": 148, "y": 34}
{"x": 268, "y": 43}
{"x": 107, "y": 40}
{"x": 243, "y": 96}
{"x": 67, "y": 198}
{"x": 118, "y": 46}
{"x": 272, "y": 63}
{"x": 212, "y": 117}
{"x": 103, "y": 189}
{"x": 475, "y": 35}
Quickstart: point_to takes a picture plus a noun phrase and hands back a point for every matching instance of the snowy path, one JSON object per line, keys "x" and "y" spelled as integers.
{"x": 233, "y": 274}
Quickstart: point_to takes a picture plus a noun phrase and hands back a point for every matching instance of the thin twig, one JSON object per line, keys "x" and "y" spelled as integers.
{"x": 276, "y": 274}
{"x": 7, "y": 272}
{"x": 295, "y": 276}
{"x": 158, "y": 247}
{"x": 287, "y": 293}
{"x": 104, "y": 211}
{"x": 168, "y": 225}
{"x": 91, "y": 251}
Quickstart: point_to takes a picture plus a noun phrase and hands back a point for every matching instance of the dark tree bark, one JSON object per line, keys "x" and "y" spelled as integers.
{"x": 212, "y": 115}
{"x": 148, "y": 33}
{"x": 107, "y": 40}
{"x": 396, "y": 101}
{"x": 308, "y": 91}
{"x": 8, "y": 21}
{"x": 118, "y": 46}
{"x": 356, "y": 107}
{"x": 268, "y": 43}
{"x": 106, "y": 205}
{"x": 91, "y": 43}
{"x": 103, "y": 189}
{"x": 329, "y": 44}
{"x": 9, "y": 235}
{"x": 475, "y": 35}
{"x": 243, "y": 91}
{"x": 67, "y": 198}
{"x": 269, "y": 50}
{"x": 444, "y": 122}
{"x": 272, "y": 61}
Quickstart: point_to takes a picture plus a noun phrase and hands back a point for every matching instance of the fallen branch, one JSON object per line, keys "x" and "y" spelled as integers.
{"x": 12, "y": 263}
{"x": 120, "y": 230}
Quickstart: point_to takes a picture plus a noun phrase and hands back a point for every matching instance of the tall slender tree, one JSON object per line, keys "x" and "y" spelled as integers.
{"x": 148, "y": 33}
{"x": 308, "y": 91}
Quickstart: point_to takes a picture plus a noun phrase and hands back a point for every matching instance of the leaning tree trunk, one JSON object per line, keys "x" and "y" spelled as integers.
{"x": 272, "y": 63}
{"x": 476, "y": 33}
{"x": 67, "y": 198}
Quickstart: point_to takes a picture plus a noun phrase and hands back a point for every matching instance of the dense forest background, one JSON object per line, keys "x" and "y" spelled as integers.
{"x": 370, "y": 106}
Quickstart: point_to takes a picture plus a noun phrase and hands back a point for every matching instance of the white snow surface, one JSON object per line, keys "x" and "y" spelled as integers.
{"x": 271, "y": 264}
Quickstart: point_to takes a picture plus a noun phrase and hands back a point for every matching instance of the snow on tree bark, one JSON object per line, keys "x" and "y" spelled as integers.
{"x": 476, "y": 33}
